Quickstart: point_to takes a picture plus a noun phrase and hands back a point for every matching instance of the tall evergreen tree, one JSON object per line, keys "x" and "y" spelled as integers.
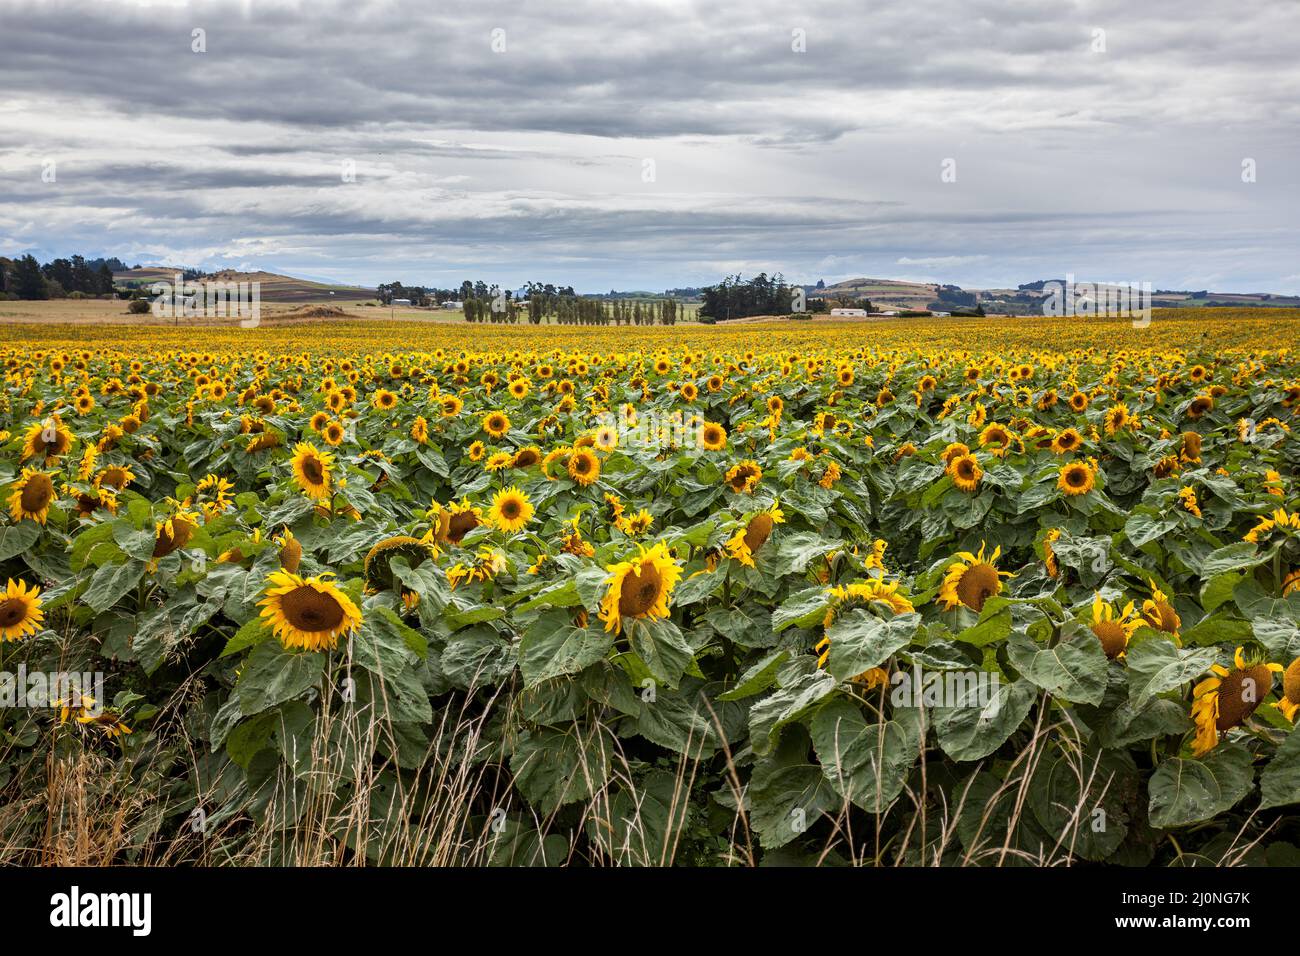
{"x": 29, "y": 283}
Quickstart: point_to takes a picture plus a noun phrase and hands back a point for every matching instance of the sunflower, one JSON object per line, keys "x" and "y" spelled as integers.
{"x": 1116, "y": 418}
{"x": 420, "y": 430}
{"x": 952, "y": 452}
{"x": 116, "y": 477}
{"x": 309, "y": 613}
{"x": 744, "y": 477}
{"x": 712, "y": 437}
{"x": 485, "y": 566}
{"x": 996, "y": 439}
{"x": 1227, "y": 697}
{"x": 1113, "y": 627}
{"x": 1280, "y": 518}
{"x": 20, "y": 611}
{"x": 639, "y": 588}
{"x": 971, "y": 580}
{"x": 384, "y": 400}
{"x": 1076, "y": 478}
{"x": 33, "y": 493}
{"x": 50, "y": 440}
{"x": 1291, "y": 583}
{"x": 511, "y": 510}
{"x": 496, "y": 424}
{"x": 173, "y": 533}
{"x": 583, "y": 466}
{"x": 290, "y": 551}
{"x": 456, "y": 520}
{"x": 1160, "y": 614}
{"x": 311, "y": 469}
{"x": 1049, "y": 556}
{"x": 526, "y": 457}
{"x": 747, "y": 540}
{"x": 606, "y": 438}
{"x": 449, "y": 406}
{"x": 1289, "y": 702}
{"x": 1067, "y": 441}
{"x": 966, "y": 473}
{"x": 865, "y": 593}
{"x": 333, "y": 433}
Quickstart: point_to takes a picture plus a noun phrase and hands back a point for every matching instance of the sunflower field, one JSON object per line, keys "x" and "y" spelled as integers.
{"x": 962, "y": 592}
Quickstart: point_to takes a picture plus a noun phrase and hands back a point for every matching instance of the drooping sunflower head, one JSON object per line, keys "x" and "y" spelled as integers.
{"x": 20, "y": 611}
{"x": 32, "y": 495}
{"x": 379, "y": 560}
{"x": 511, "y": 510}
{"x": 290, "y": 551}
{"x": 1229, "y": 696}
{"x": 312, "y": 470}
{"x": 1076, "y": 478}
{"x": 173, "y": 533}
{"x": 307, "y": 613}
{"x": 1159, "y": 613}
{"x": 1049, "y": 556}
{"x": 639, "y": 588}
{"x": 971, "y": 580}
{"x": 1112, "y": 626}
{"x": 754, "y": 534}
{"x": 457, "y": 520}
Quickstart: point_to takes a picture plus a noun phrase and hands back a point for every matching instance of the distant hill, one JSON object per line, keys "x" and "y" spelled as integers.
{"x": 1028, "y": 298}
{"x": 274, "y": 287}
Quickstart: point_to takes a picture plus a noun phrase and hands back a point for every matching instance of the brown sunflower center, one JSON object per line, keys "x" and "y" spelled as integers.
{"x": 581, "y": 464}
{"x": 1111, "y": 635}
{"x": 1291, "y": 681}
{"x": 978, "y": 583}
{"x": 311, "y": 467}
{"x": 37, "y": 492}
{"x": 1240, "y": 693}
{"x": 1166, "y": 617}
{"x": 13, "y": 611}
{"x": 460, "y": 525}
{"x": 309, "y": 610}
{"x": 167, "y": 543}
{"x": 639, "y": 592}
{"x": 1076, "y": 477}
{"x": 758, "y": 531}
{"x": 966, "y": 469}
{"x": 510, "y": 509}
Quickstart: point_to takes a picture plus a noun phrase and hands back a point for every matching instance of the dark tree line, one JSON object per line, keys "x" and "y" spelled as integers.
{"x": 25, "y": 278}
{"x": 736, "y": 298}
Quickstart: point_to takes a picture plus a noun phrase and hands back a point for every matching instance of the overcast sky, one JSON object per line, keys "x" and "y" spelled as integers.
{"x": 645, "y": 145}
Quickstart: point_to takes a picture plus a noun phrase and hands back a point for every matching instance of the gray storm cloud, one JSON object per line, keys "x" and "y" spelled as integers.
{"x": 646, "y": 145}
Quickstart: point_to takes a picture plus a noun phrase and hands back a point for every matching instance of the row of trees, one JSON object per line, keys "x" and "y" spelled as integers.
{"x": 570, "y": 309}
{"x": 735, "y": 298}
{"x": 26, "y": 278}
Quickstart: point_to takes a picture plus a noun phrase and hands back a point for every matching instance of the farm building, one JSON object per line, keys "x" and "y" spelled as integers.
{"x": 401, "y": 302}
{"x": 852, "y": 313}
